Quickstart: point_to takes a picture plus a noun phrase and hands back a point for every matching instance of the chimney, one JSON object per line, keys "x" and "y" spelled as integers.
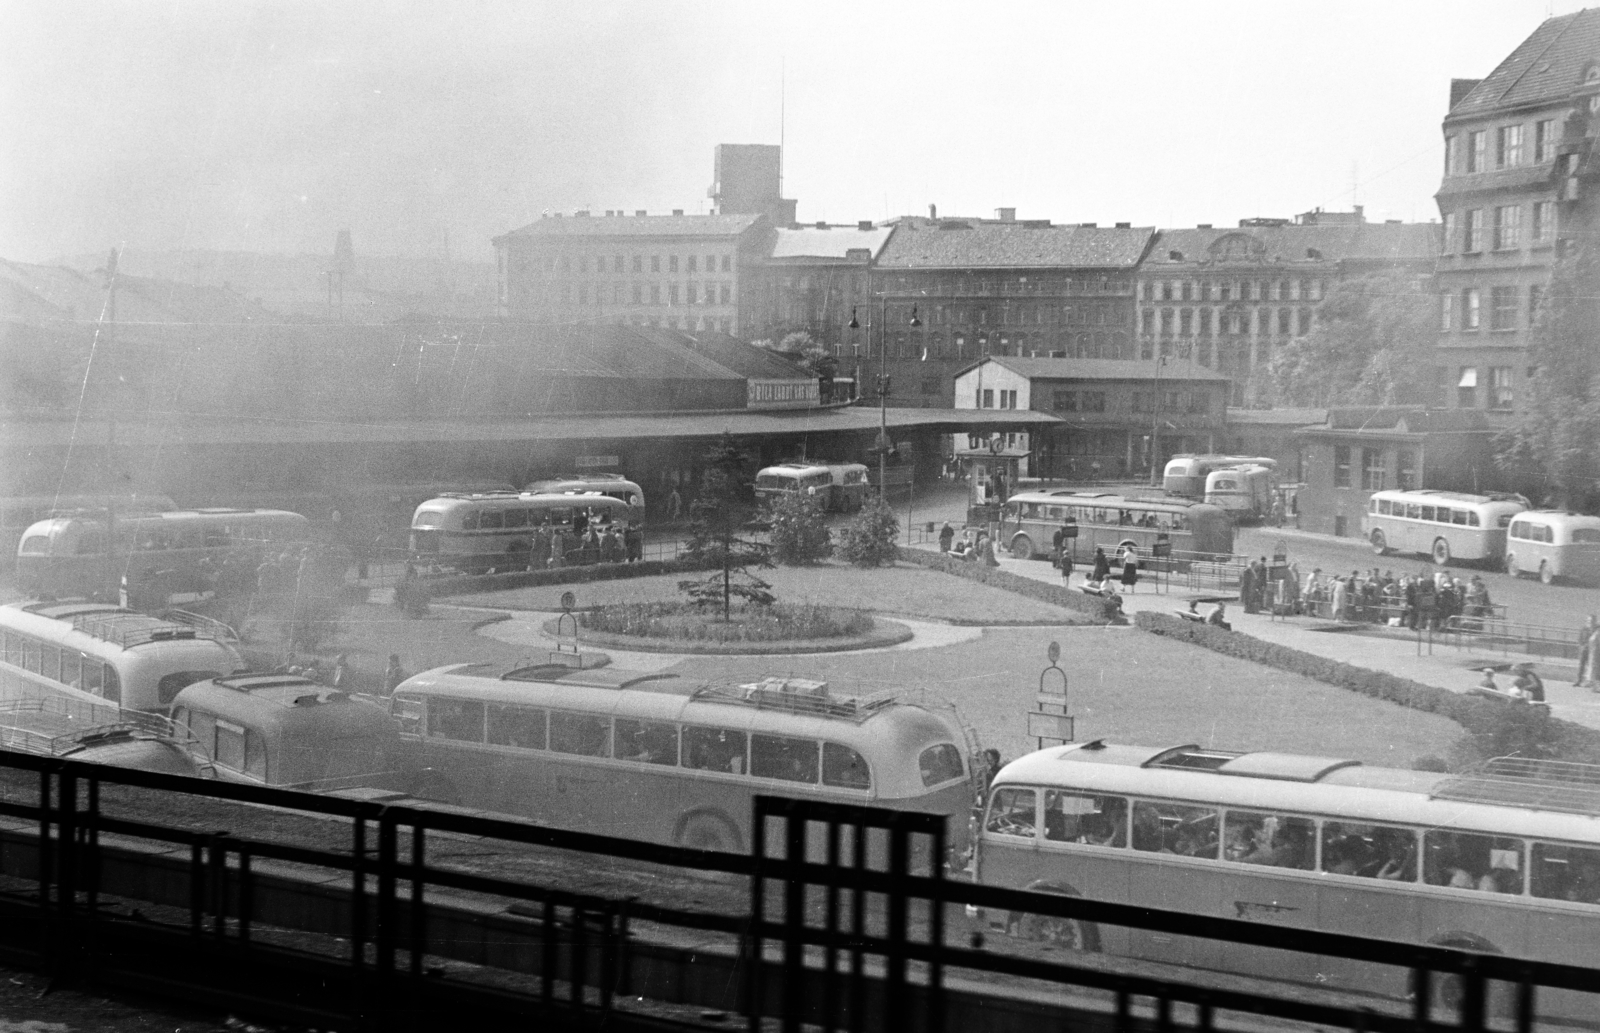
{"x": 864, "y": 224}
{"x": 1459, "y": 88}
{"x": 1006, "y": 214}
{"x": 933, "y": 211}
{"x": 640, "y": 212}
{"x": 581, "y": 213}
{"x": 1124, "y": 225}
{"x": 1088, "y": 225}
{"x": 677, "y": 211}
{"x": 1203, "y": 226}
{"x": 821, "y": 224}
{"x": 1360, "y": 218}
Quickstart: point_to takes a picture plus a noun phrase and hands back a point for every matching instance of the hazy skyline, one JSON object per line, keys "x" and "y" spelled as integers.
{"x": 269, "y": 126}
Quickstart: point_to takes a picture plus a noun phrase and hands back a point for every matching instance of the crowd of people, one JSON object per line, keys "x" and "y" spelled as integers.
{"x": 1416, "y": 601}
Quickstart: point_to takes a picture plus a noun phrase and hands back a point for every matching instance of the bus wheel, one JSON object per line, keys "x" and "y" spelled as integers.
{"x": 1022, "y": 547}
{"x": 1450, "y": 989}
{"x": 708, "y": 830}
{"x": 1546, "y": 573}
{"x": 1380, "y": 544}
{"x": 1511, "y": 565}
{"x": 1441, "y": 552}
{"x": 1070, "y": 933}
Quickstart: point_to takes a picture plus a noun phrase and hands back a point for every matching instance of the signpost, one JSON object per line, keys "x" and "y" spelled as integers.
{"x": 1051, "y": 721}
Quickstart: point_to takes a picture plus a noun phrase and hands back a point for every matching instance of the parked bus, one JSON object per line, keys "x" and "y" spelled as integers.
{"x": 1554, "y": 544}
{"x": 1186, "y": 474}
{"x": 611, "y": 484}
{"x": 291, "y": 732}
{"x": 1505, "y": 860}
{"x": 504, "y": 531}
{"x": 1030, "y": 521}
{"x": 1244, "y": 492}
{"x": 71, "y": 556}
{"x": 99, "y": 653}
{"x": 1443, "y": 524}
{"x": 657, "y": 758}
{"x": 55, "y": 727}
{"x": 20, "y": 512}
{"x": 837, "y": 487}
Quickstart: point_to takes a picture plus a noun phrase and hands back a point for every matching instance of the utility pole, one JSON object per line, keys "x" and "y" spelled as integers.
{"x": 108, "y": 342}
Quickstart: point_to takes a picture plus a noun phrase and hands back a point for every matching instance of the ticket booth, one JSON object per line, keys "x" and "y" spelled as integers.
{"x": 991, "y": 475}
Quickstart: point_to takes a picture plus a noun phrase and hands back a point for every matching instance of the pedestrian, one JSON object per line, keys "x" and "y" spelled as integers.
{"x": 633, "y": 539}
{"x": 1102, "y": 566}
{"x": 1588, "y": 647}
{"x": 1066, "y": 568}
{"x": 1130, "y": 568}
{"x": 393, "y": 675}
{"x": 674, "y": 506}
{"x": 986, "y": 551}
{"x": 341, "y": 678}
{"x": 947, "y": 535}
{"x": 1247, "y": 587}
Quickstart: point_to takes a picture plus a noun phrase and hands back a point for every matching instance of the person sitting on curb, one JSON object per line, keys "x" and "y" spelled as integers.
{"x": 1217, "y": 617}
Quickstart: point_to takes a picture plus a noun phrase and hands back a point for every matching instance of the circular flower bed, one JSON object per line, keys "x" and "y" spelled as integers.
{"x": 686, "y": 622}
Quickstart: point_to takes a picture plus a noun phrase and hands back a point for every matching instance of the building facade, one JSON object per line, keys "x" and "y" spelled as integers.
{"x": 811, "y": 279}
{"x": 1517, "y": 190}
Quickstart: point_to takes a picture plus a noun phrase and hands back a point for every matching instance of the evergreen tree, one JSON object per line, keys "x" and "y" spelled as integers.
{"x": 1372, "y": 345}
{"x": 799, "y": 530}
{"x": 872, "y": 536}
{"x": 724, "y": 527}
{"x": 1558, "y": 434}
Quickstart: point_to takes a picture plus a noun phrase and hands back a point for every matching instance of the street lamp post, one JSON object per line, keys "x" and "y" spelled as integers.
{"x": 1155, "y": 425}
{"x": 883, "y": 446}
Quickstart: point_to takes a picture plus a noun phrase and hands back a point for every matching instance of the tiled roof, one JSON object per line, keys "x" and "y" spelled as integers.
{"x": 958, "y": 244}
{"x": 1096, "y": 369}
{"x": 1367, "y": 242}
{"x": 1547, "y": 67}
{"x": 810, "y": 242}
{"x": 741, "y": 357}
{"x": 637, "y": 226}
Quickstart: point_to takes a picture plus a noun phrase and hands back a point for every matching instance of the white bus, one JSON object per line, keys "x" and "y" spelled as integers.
{"x": 1445, "y": 525}
{"x": 1554, "y": 544}
{"x": 56, "y": 727}
{"x": 656, "y": 758}
{"x": 1245, "y": 492}
{"x": 837, "y": 487}
{"x": 99, "y": 653}
{"x": 1031, "y": 520}
{"x": 71, "y": 556}
{"x": 1504, "y": 860}
{"x": 1186, "y": 474}
{"x": 19, "y": 512}
{"x": 506, "y": 531}
{"x": 611, "y": 484}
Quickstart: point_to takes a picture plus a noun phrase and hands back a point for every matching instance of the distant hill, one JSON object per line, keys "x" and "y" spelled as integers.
{"x": 377, "y": 289}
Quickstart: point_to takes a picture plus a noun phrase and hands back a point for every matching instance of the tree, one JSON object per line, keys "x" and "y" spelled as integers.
{"x": 799, "y": 531}
{"x": 798, "y": 347}
{"x": 1372, "y": 345}
{"x": 723, "y": 523}
{"x": 872, "y": 536}
{"x": 1557, "y": 432}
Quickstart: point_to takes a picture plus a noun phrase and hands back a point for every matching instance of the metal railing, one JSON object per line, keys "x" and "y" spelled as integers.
{"x": 1496, "y": 634}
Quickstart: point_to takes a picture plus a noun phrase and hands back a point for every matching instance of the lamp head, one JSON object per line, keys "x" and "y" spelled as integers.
{"x": 914, "y": 320}
{"x": 853, "y": 324}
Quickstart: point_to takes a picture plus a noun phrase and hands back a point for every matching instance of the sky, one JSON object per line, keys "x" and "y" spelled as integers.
{"x": 269, "y": 126}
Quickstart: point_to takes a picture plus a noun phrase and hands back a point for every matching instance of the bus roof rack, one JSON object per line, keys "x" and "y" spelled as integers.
{"x": 125, "y": 628}
{"x": 1548, "y": 785}
{"x": 798, "y": 696}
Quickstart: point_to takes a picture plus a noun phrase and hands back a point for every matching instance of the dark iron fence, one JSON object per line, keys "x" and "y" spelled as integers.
{"x": 846, "y": 926}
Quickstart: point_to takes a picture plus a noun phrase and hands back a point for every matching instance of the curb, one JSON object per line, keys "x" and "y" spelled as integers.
{"x": 886, "y": 632}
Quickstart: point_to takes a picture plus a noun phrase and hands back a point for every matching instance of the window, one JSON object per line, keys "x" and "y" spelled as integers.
{"x": 727, "y": 265}
{"x": 727, "y": 293}
{"x": 1508, "y": 146}
{"x": 1472, "y": 231}
{"x": 1452, "y": 154}
{"x": 1143, "y": 401}
{"x": 672, "y": 294}
{"x": 1544, "y": 141}
{"x": 1065, "y": 401}
{"x": 655, "y": 294}
{"x": 1094, "y": 401}
{"x": 1503, "y": 308}
{"x": 230, "y": 745}
{"x": 847, "y": 769}
{"x": 255, "y": 754}
{"x": 714, "y": 749}
{"x": 1477, "y": 151}
{"x": 1080, "y": 818}
{"x": 1341, "y": 466}
{"x": 1544, "y": 222}
{"x": 1373, "y": 469}
{"x": 690, "y": 264}
{"x": 1275, "y": 840}
{"x": 204, "y": 728}
{"x": 1507, "y": 227}
{"x": 586, "y": 735}
{"x": 516, "y": 726}
{"x": 1304, "y": 321}
{"x": 777, "y": 756}
{"x": 170, "y": 685}
{"x": 986, "y": 398}
{"x": 1560, "y": 872}
{"x": 1011, "y": 813}
{"x": 647, "y": 742}
{"x": 1469, "y": 308}
{"x": 459, "y": 719}
{"x": 113, "y": 689}
{"x": 1535, "y": 301}
{"x": 1173, "y": 828}
{"x": 1405, "y": 466}
{"x": 1448, "y": 240}
{"x": 1500, "y": 395}
{"x": 1470, "y": 861}
{"x": 1369, "y": 851}
{"x": 655, "y": 263}
{"x": 1467, "y": 388}
{"x": 939, "y": 764}
{"x": 638, "y": 263}
{"x": 1445, "y": 303}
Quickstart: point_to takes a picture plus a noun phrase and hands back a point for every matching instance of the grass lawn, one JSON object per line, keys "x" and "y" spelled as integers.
{"x": 903, "y": 589}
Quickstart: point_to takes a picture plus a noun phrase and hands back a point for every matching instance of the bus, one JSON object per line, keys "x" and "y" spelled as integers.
{"x": 612, "y": 484}
{"x": 1554, "y": 544}
{"x": 1186, "y": 474}
{"x": 657, "y": 758}
{"x": 291, "y": 732}
{"x": 837, "y": 487}
{"x": 1503, "y": 860}
{"x": 55, "y": 727}
{"x": 506, "y": 531}
{"x": 1245, "y": 492}
{"x": 20, "y": 512}
{"x": 99, "y": 653}
{"x": 71, "y": 556}
{"x": 1030, "y": 521}
{"x": 1445, "y": 525}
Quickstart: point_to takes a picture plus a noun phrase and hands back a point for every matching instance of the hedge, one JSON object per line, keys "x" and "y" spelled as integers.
{"x": 1093, "y": 607}
{"x": 1495, "y": 728}
{"x": 464, "y": 584}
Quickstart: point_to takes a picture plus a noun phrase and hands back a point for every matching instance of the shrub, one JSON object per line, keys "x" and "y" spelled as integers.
{"x": 686, "y": 621}
{"x": 1092, "y": 607}
{"x": 871, "y": 537}
{"x": 798, "y": 530}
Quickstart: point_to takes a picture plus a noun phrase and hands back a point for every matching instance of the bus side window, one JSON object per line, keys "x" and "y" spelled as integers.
{"x": 459, "y": 719}
{"x": 72, "y": 668}
{"x": 1472, "y": 518}
{"x": 490, "y": 519}
{"x": 1466, "y": 860}
{"x": 1566, "y": 873}
{"x": 516, "y": 726}
{"x": 469, "y": 521}
{"x": 50, "y": 663}
{"x": 113, "y": 686}
{"x": 1427, "y": 513}
{"x": 170, "y": 685}
{"x": 230, "y": 745}
{"x": 1280, "y": 841}
{"x": 1385, "y": 507}
{"x": 30, "y": 654}
{"x": 940, "y": 764}
{"x": 648, "y": 742}
{"x": 204, "y": 728}
{"x": 1011, "y": 813}
{"x": 778, "y": 756}
{"x": 92, "y": 672}
{"x": 584, "y": 735}
{"x": 1369, "y": 851}
{"x": 407, "y": 712}
{"x": 844, "y": 767}
{"x": 714, "y": 749}
{"x": 1172, "y": 828}
{"x": 1077, "y": 818}
{"x": 516, "y": 518}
